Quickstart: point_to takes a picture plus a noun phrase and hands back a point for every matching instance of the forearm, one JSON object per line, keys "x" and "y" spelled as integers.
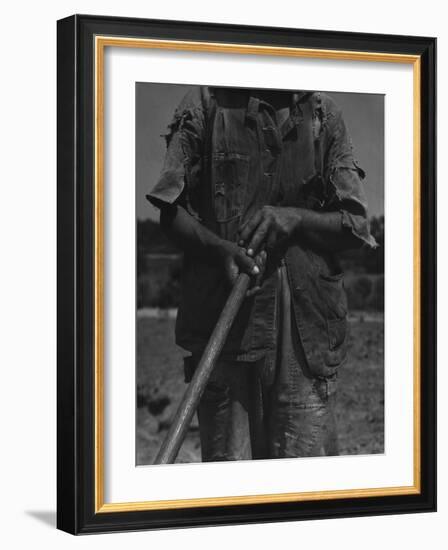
{"x": 188, "y": 234}
{"x": 274, "y": 226}
{"x": 201, "y": 243}
{"x": 324, "y": 231}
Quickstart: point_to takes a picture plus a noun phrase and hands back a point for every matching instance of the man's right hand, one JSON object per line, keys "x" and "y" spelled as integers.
{"x": 234, "y": 260}
{"x": 195, "y": 239}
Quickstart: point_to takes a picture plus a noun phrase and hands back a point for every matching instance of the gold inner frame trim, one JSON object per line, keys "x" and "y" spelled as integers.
{"x": 100, "y": 43}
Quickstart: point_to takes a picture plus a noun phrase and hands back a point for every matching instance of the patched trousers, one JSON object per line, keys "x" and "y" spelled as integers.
{"x": 245, "y": 414}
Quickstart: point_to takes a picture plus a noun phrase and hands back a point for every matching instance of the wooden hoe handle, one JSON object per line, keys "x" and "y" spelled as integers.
{"x": 178, "y": 429}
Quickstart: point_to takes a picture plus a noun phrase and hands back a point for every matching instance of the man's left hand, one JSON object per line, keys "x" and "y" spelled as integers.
{"x": 269, "y": 227}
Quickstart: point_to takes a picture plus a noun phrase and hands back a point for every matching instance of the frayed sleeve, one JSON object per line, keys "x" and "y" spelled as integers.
{"x": 179, "y": 180}
{"x": 344, "y": 180}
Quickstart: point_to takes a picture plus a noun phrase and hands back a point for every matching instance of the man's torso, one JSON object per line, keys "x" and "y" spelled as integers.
{"x": 259, "y": 153}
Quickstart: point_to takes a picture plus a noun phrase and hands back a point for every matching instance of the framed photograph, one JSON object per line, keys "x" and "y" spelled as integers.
{"x": 246, "y": 274}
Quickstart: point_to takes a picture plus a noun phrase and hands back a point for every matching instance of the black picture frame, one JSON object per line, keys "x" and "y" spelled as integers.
{"x": 76, "y": 263}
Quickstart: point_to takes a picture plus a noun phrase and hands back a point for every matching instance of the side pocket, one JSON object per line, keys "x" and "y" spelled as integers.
{"x": 230, "y": 172}
{"x": 332, "y": 287}
{"x": 336, "y": 307}
{"x": 337, "y": 330}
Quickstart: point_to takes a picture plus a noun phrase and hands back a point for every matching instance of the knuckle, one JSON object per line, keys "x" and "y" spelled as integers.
{"x": 243, "y": 260}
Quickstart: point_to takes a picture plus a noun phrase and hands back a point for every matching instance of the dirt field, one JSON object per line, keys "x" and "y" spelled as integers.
{"x": 360, "y": 406}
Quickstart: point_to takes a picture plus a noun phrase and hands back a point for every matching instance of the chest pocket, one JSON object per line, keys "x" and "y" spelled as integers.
{"x": 230, "y": 172}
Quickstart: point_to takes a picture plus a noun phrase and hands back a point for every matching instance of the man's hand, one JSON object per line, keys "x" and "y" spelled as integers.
{"x": 199, "y": 242}
{"x": 235, "y": 260}
{"x": 269, "y": 227}
{"x": 273, "y": 226}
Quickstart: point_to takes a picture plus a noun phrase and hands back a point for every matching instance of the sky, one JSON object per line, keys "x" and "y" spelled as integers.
{"x": 155, "y": 104}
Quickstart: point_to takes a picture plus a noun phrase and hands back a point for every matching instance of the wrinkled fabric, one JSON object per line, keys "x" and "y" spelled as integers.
{"x": 247, "y": 414}
{"x": 229, "y": 155}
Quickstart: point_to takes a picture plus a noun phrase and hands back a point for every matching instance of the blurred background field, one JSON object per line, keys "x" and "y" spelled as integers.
{"x": 159, "y": 269}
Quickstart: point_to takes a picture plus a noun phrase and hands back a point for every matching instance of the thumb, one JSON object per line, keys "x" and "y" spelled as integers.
{"x": 232, "y": 271}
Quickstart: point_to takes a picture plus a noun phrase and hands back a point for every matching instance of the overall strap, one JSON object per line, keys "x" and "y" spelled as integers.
{"x": 317, "y": 132}
{"x": 210, "y": 110}
{"x": 210, "y": 113}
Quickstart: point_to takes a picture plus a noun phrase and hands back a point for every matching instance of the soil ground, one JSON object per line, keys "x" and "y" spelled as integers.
{"x": 160, "y": 386}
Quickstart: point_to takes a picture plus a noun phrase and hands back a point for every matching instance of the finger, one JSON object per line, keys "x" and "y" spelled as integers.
{"x": 246, "y": 264}
{"x": 254, "y": 290}
{"x": 258, "y": 237}
{"x": 272, "y": 240}
{"x": 254, "y": 219}
{"x": 260, "y": 258}
{"x": 259, "y": 261}
{"x": 263, "y": 260}
{"x": 249, "y": 227}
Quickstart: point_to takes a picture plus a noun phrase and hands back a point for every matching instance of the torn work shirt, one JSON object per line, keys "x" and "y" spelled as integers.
{"x": 231, "y": 152}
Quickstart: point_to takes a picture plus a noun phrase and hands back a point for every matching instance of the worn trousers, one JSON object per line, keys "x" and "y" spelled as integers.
{"x": 246, "y": 414}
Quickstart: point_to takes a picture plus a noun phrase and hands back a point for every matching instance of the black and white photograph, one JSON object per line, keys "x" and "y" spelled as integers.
{"x": 259, "y": 273}
{"x": 246, "y": 274}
